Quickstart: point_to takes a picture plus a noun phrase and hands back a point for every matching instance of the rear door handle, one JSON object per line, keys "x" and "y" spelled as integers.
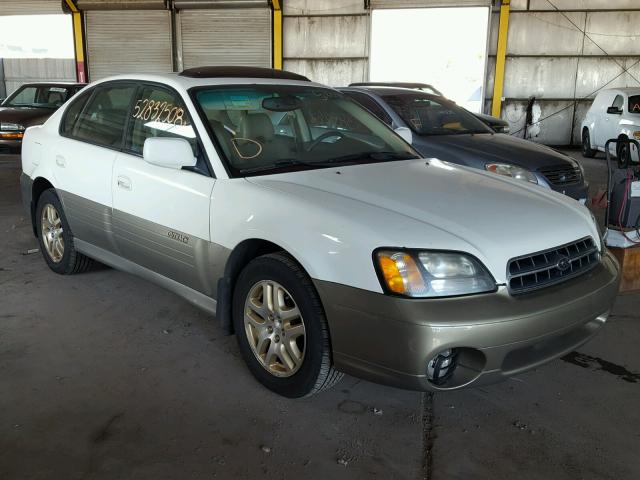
{"x": 60, "y": 161}
{"x": 124, "y": 182}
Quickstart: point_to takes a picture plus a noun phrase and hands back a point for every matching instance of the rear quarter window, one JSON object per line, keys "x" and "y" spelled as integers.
{"x": 72, "y": 113}
{"x": 103, "y": 118}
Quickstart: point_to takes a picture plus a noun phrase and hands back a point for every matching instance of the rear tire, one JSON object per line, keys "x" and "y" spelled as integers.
{"x": 55, "y": 237}
{"x": 586, "y": 145}
{"x": 284, "y": 341}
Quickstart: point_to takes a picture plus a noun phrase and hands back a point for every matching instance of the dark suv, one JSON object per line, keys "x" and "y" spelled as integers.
{"x": 30, "y": 105}
{"x": 439, "y": 128}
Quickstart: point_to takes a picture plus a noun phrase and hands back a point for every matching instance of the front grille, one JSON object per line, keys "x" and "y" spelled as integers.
{"x": 549, "y": 267}
{"x": 562, "y": 175}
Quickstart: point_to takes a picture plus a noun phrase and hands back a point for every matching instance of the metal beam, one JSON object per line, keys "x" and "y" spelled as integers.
{"x": 78, "y": 41}
{"x": 498, "y": 83}
{"x": 277, "y": 34}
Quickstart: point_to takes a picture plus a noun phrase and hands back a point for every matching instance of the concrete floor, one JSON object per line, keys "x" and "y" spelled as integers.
{"x": 105, "y": 376}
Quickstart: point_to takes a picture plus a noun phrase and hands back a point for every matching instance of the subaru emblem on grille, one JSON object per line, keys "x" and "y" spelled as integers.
{"x": 563, "y": 264}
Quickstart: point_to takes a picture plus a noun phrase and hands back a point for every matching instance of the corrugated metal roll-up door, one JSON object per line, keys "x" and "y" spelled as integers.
{"x": 428, "y": 3}
{"x": 225, "y": 36}
{"x": 133, "y": 41}
{"x": 121, "y": 4}
{"x": 30, "y": 7}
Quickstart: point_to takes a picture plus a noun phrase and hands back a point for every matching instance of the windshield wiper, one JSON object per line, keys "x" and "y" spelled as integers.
{"x": 376, "y": 156}
{"x": 280, "y": 163}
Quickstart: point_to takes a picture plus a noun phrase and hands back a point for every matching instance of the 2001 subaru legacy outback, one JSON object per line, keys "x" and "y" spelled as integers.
{"x": 314, "y": 232}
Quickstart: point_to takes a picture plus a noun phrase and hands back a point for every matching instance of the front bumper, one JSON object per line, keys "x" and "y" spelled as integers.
{"x": 578, "y": 191}
{"x": 12, "y": 147}
{"x": 390, "y": 339}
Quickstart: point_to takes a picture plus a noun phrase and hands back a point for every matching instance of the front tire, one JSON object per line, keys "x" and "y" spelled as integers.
{"x": 281, "y": 328}
{"x": 586, "y": 145}
{"x": 55, "y": 238}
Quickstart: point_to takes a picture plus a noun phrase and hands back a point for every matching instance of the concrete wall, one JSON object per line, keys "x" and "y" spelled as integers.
{"x": 547, "y": 55}
{"x": 550, "y": 58}
{"x": 326, "y": 40}
{"x": 18, "y": 71}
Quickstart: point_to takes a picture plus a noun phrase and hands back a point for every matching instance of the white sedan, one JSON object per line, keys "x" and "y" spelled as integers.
{"x": 328, "y": 246}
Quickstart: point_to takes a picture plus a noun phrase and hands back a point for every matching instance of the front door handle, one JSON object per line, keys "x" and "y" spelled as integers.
{"x": 60, "y": 161}
{"x": 124, "y": 182}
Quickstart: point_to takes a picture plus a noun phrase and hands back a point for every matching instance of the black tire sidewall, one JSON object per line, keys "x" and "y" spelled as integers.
{"x": 304, "y": 380}
{"x": 622, "y": 153}
{"x": 64, "y": 265}
{"x": 586, "y": 144}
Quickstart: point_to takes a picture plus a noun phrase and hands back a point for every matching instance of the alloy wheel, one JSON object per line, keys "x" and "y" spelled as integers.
{"x": 275, "y": 328}
{"x": 52, "y": 238}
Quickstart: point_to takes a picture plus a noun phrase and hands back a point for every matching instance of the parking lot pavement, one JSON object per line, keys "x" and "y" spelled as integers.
{"x": 106, "y": 376}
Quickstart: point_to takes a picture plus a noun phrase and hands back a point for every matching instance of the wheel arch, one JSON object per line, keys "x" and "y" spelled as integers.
{"x": 238, "y": 259}
{"x": 40, "y": 184}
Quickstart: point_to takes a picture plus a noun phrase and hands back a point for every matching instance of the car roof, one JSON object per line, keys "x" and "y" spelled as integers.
{"x": 53, "y": 84}
{"x": 186, "y": 82}
{"x": 379, "y": 90}
{"x": 624, "y": 90}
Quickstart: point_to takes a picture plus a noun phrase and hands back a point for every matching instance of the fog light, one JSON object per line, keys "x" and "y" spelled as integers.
{"x": 441, "y": 367}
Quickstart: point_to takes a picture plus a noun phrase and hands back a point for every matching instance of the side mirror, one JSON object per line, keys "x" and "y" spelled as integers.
{"x": 614, "y": 111}
{"x": 405, "y": 133}
{"x": 168, "y": 152}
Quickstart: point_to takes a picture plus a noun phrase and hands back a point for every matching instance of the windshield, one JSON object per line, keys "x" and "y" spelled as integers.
{"x": 634, "y": 104}
{"x": 264, "y": 128}
{"x": 432, "y": 115}
{"x": 40, "y": 97}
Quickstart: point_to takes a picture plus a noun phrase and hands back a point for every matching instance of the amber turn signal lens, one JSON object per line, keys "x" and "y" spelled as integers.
{"x": 401, "y": 273}
{"x": 12, "y": 135}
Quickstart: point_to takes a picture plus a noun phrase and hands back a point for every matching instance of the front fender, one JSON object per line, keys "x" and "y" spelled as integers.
{"x": 333, "y": 237}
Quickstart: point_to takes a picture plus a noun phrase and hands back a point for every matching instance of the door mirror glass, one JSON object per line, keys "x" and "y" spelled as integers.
{"x": 168, "y": 152}
{"x": 614, "y": 111}
{"x": 405, "y": 133}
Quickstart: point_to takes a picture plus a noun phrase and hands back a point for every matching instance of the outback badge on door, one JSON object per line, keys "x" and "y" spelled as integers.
{"x": 178, "y": 237}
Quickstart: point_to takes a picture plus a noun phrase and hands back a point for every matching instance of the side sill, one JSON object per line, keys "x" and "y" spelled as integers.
{"x": 198, "y": 299}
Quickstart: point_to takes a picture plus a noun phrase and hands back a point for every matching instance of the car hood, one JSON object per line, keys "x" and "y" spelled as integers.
{"x": 433, "y": 204}
{"x": 26, "y": 116}
{"x": 476, "y": 150}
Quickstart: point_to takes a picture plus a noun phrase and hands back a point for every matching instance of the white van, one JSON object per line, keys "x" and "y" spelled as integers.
{"x": 614, "y": 113}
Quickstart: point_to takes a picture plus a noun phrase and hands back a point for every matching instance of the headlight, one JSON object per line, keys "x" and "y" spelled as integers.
{"x": 11, "y": 127}
{"x": 426, "y": 274}
{"x": 512, "y": 171}
{"x": 601, "y": 236}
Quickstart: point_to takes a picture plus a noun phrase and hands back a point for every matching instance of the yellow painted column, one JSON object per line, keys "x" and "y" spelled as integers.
{"x": 78, "y": 42}
{"x": 277, "y": 34}
{"x": 498, "y": 82}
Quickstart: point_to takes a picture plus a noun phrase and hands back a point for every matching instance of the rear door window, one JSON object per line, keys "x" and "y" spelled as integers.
{"x": 103, "y": 119}
{"x": 634, "y": 104}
